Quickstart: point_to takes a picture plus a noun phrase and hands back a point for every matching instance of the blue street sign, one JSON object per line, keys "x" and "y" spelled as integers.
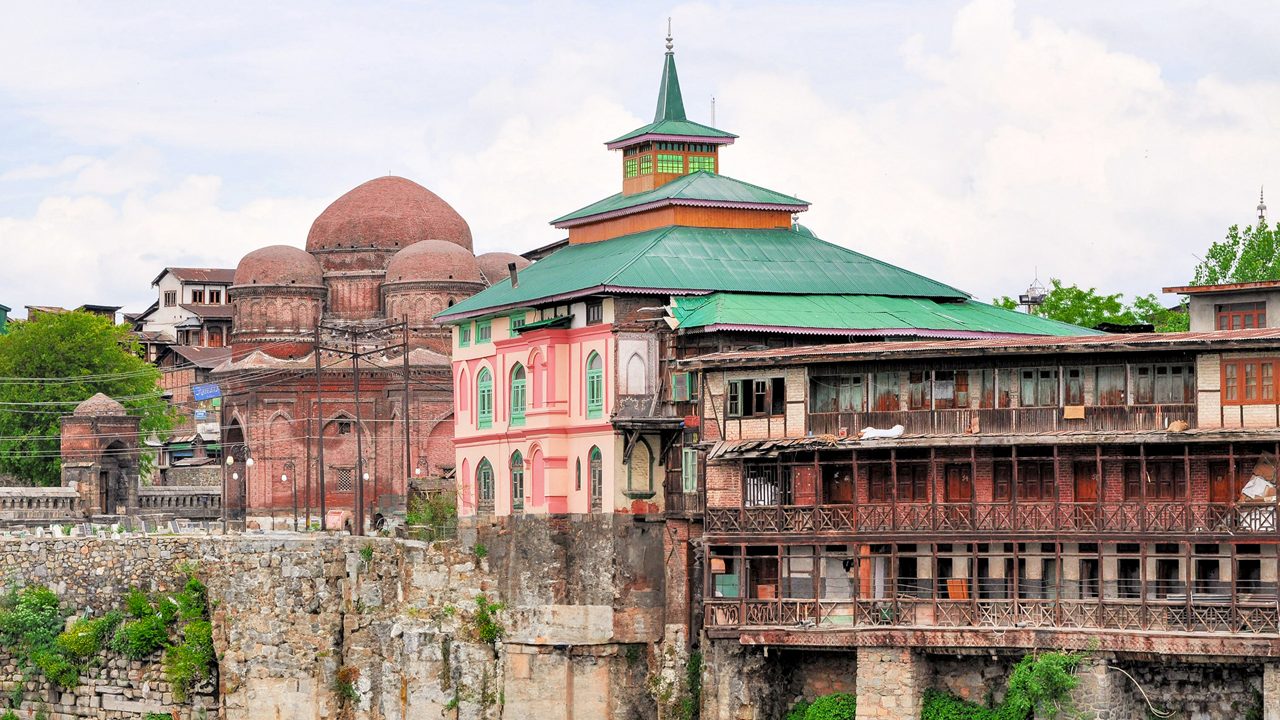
{"x": 206, "y": 392}
{"x": 202, "y": 414}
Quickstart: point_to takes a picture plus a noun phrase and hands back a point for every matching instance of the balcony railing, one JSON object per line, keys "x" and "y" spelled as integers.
{"x": 1058, "y": 518}
{"x": 1250, "y": 617}
{"x": 1005, "y": 421}
{"x": 192, "y": 502}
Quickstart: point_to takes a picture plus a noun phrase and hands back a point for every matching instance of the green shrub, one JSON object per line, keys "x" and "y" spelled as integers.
{"x": 836, "y": 706}
{"x": 29, "y": 619}
{"x": 481, "y": 552}
{"x": 366, "y": 554}
{"x": 191, "y": 661}
{"x": 137, "y": 605}
{"x": 9, "y": 715}
{"x": 344, "y": 684}
{"x": 167, "y": 608}
{"x": 486, "y": 625}
{"x": 84, "y": 638}
{"x": 139, "y": 639}
{"x": 797, "y": 711}
{"x": 1039, "y": 686}
{"x": 56, "y": 668}
{"x": 432, "y": 509}
{"x": 193, "y": 601}
{"x": 942, "y": 706}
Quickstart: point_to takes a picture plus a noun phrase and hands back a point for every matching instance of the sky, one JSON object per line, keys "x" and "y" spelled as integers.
{"x": 981, "y": 143}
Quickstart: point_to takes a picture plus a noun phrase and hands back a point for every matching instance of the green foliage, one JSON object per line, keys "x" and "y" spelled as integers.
{"x": 366, "y": 554}
{"x": 9, "y": 715}
{"x": 85, "y": 637}
{"x": 836, "y": 706}
{"x": 1039, "y": 686}
{"x": 157, "y": 716}
{"x": 798, "y": 711}
{"x": 69, "y": 345}
{"x": 1086, "y": 307}
{"x": 690, "y": 707}
{"x": 192, "y": 660}
{"x": 139, "y": 639}
{"x": 480, "y": 551}
{"x": 486, "y": 626}
{"x": 29, "y": 619}
{"x": 137, "y": 605}
{"x": 431, "y": 509}
{"x": 344, "y": 684}
{"x": 193, "y": 601}
{"x": 56, "y": 668}
{"x": 1248, "y": 255}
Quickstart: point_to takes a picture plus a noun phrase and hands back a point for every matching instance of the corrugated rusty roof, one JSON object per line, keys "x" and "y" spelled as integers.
{"x": 213, "y": 276}
{"x": 1216, "y": 340}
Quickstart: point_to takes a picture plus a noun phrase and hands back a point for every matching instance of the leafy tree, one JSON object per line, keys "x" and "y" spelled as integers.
{"x": 72, "y": 356}
{"x": 1248, "y": 255}
{"x": 1088, "y": 308}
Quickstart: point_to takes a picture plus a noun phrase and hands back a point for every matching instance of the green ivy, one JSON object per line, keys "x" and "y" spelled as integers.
{"x": 485, "y": 624}
{"x": 1039, "y": 686}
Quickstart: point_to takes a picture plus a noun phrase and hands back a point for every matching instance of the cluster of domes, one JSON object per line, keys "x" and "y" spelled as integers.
{"x": 388, "y": 248}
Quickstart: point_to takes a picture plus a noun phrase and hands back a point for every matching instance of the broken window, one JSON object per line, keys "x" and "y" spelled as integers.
{"x": 756, "y": 397}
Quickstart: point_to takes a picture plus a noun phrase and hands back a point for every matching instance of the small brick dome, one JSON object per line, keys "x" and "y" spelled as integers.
{"x": 434, "y": 260}
{"x": 279, "y": 265}
{"x": 98, "y": 406}
{"x": 494, "y": 265}
{"x": 387, "y": 213}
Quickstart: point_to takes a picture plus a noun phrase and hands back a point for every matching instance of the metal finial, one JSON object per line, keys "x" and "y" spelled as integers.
{"x": 669, "y": 43}
{"x": 1262, "y": 205}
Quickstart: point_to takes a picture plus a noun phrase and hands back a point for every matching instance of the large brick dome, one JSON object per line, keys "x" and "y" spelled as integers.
{"x": 494, "y": 265}
{"x": 433, "y": 260}
{"x": 99, "y": 406}
{"x": 279, "y": 265}
{"x": 387, "y": 213}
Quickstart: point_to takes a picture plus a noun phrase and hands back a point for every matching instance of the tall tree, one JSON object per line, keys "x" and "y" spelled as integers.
{"x": 1088, "y": 308}
{"x": 50, "y": 364}
{"x": 1247, "y": 255}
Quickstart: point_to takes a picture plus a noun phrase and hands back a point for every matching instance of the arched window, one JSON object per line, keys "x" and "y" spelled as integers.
{"x": 517, "y": 481}
{"x": 517, "y": 394}
{"x": 577, "y": 475}
{"x": 484, "y": 399}
{"x": 640, "y": 469}
{"x": 484, "y": 485}
{"x": 595, "y": 385}
{"x": 595, "y": 463}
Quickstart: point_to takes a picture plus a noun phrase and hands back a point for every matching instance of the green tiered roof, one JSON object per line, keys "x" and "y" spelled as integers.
{"x": 670, "y": 119}
{"x": 701, "y": 187}
{"x": 696, "y": 259}
{"x": 867, "y": 315}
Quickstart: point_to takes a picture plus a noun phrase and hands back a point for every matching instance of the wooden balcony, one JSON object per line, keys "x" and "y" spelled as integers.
{"x": 1079, "y": 519}
{"x": 1006, "y": 421}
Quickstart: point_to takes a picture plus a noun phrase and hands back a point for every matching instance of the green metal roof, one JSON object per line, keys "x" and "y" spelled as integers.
{"x": 670, "y": 118}
{"x": 860, "y": 315}
{"x": 685, "y": 260}
{"x": 701, "y": 187}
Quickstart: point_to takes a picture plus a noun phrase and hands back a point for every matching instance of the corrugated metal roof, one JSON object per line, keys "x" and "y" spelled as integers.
{"x": 1215, "y": 340}
{"x": 693, "y": 260}
{"x": 682, "y": 128}
{"x": 702, "y": 187}
{"x": 849, "y": 314}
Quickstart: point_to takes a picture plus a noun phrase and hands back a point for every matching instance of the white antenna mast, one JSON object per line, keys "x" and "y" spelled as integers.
{"x": 713, "y": 111}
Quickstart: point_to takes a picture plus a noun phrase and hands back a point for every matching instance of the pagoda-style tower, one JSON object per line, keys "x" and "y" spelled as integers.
{"x": 672, "y": 145}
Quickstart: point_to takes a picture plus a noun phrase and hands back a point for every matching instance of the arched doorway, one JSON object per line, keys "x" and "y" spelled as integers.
{"x": 233, "y": 500}
{"x": 113, "y": 479}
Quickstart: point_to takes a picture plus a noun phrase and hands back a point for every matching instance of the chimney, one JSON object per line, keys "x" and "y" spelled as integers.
{"x": 511, "y": 269}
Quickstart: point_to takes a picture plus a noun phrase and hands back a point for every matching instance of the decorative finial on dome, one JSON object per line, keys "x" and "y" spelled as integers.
{"x": 1262, "y": 206}
{"x": 670, "y": 45}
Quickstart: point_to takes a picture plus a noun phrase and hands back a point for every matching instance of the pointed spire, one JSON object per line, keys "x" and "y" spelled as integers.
{"x": 670, "y": 102}
{"x": 1262, "y": 206}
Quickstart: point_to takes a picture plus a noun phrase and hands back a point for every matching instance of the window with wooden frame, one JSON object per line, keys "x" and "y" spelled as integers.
{"x": 837, "y": 393}
{"x": 913, "y": 482}
{"x": 703, "y": 163}
{"x": 484, "y": 331}
{"x": 988, "y": 383}
{"x": 595, "y": 312}
{"x": 464, "y": 335}
{"x": 879, "y": 482}
{"x": 760, "y": 485}
{"x": 197, "y": 297}
{"x": 885, "y": 391}
{"x": 484, "y": 483}
{"x": 919, "y": 396}
{"x": 681, "y": 386}
{"x": 518, "y": 384}
{"x": 170, "y": 298}
{"x": 484, "y": 399}
{"x": 1163, "y": 384}
{"x": 646, "y": 164}
{"x": 689, "y": 470}
{"x": 1038, "y": 387}
{"x": 756, "y": 397}
{"x": 1166, "y": 479}
{"x": 950, "y": 389}
{"x": 1036, "y": 480}
{"x": 1001, "y": 480}
{"x": 517, "y": 481}
{"x": 1073, "y": 387}
{"x": 670, "y": 164}
{"x": 1109, "y": 385}
{"x": 630, "y": 168}
{"x": 215, "y": 297}
{"x": 1238, "y": 316}
{"x": 514, "y": 324}
{"x": 595, "y": 385}
{"x": 595, "y": 468}
{"x": 1248, "y": 382}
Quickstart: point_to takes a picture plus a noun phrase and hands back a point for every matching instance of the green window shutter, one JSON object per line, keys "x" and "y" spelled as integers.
{"x": 484, "y": 331}
{"x": 702, "y": 162}
{"x": 689, "y": 470}
{"x": 670, "y": 163}
{"x": 517, "y": 395}
{"x": 517, "y": 481}
{"x": 484, "y": 478}
{"x": 517, "y": 322}
{"x": 595, "y": 386}
{"x": 680, "y": 387}
{"x": 735, "y": 399}
{"x": 484, "y": 400}
{"x": 464, "y": 335}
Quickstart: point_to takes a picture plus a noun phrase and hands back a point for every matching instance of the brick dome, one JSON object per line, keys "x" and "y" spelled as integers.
{"x": 434, "y": 260}
{"x": 98, "y": 406}
{"x": 387, "y": 213}
{"x": 279, "y": 265}
{"x": 494, "y": 265}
